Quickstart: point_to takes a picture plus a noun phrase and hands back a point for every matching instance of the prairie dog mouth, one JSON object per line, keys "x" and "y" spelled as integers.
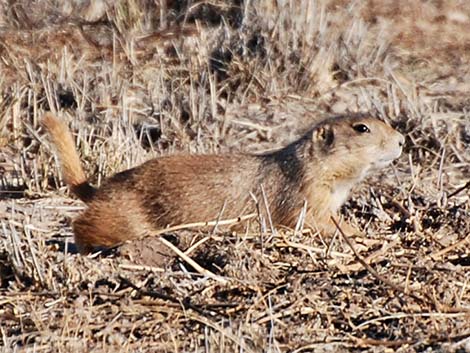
{"x": 384, "y": 162}
{"x": 387, "y": 160}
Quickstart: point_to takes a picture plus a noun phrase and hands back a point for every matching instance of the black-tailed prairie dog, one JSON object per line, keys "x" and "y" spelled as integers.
{"x": 317, "y": 170}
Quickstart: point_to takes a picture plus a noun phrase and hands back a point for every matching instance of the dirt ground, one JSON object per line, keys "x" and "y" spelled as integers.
{"x": 137, "y": 79}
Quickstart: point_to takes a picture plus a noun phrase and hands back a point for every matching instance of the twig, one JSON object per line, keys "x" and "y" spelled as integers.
{"x": 141, "y": 268}
{"x": 328, "y": 342}
{"x": 374, "y": 255}
{"x": 301, "y": 220}
{"x": 223, "y": 222}
{"x": 439, "y": 253}
{"x": 400, "y": 343}
{"x": 219, "y": 217}
{"x": 33, "y": 255}
{"x": 289, "y": 244}
{"x": 459, "y": 190}
{"x": 196, "y": 245}
{"x": 305, "y": 310}
{"x": 374, "y": 273}
{"x": 191, "y": 262}
{"x": 364, "y": 263}
{"x": 382, "y": 343}
{"x": 427, "y": 299}
{"x": 268, "y": 211}
{"x": 413, "y": 315}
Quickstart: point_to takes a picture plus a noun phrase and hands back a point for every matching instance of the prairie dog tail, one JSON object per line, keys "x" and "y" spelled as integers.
{"x": 71, "y": 168}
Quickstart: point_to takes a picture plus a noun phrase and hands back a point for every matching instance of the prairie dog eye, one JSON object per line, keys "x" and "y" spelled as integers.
{"x": 361, "y": 128}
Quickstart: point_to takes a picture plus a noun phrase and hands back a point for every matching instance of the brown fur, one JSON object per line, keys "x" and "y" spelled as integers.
{"x": 72, "y": 170}
{"x": 320, "y": 169}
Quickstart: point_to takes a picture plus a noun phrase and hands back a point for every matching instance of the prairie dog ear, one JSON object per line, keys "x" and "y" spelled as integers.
{"x": 323, "y": 136}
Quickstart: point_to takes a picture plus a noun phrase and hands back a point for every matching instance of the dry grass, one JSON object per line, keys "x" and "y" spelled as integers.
{"x": 143, "y": 78}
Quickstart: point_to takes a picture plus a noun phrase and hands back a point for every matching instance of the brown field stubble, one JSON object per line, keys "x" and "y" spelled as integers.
{"x": 137, "y": 79}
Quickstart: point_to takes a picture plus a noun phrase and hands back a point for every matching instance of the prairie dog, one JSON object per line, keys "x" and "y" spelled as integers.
{"x": 320, "y": 168}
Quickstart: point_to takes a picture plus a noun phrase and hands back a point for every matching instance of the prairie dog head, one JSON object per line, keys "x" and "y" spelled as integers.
{"x": 350, "y": 146}
{"x": 344, "y": 149}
